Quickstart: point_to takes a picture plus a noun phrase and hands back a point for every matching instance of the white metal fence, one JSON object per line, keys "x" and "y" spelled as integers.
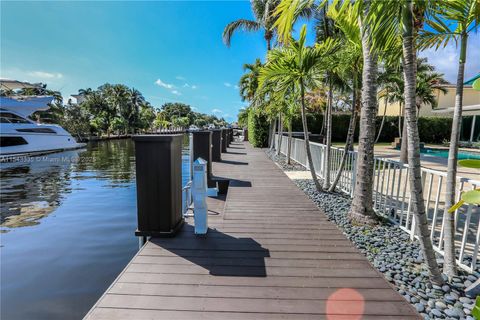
{"x": 392, "y": 200}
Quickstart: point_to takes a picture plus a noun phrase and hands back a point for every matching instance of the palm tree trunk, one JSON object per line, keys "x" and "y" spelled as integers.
{"x": 361, "y": 209}
{"x": 289, "y": 146}
{"x": 323, "y": 124}
{"x": 272, "y": 141}
{"x": 348, "y": 143}
{"x": 269, "y": 142}
{"x": 383, "y": 118}
{"x": 415, "y": 173}
{"x": 307, "y": 139}
{"x": 404, "y": 144}
{"x": 328, "y": 140}
{"x": 450, "y": 267}
{"x": 280, "y": 133}
{"x": 400, "y": 121}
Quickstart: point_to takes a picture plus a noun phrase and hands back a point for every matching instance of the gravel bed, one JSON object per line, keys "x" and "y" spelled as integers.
{"x": 281, "y": 160}
{"x": 390, "y": 250}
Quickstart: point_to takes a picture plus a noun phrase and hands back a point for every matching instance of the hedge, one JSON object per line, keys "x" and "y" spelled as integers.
{"x": 431, "y": 129}
{"x": 257, "y": 129}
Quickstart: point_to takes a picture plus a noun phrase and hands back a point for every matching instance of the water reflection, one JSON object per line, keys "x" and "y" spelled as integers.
{"x": 32, "y": 188}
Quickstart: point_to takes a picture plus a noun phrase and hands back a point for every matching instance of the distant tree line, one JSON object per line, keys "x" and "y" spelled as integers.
{"x": 181, "y": 115}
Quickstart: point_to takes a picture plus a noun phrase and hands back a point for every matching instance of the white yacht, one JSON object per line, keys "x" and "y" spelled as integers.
{"x": 20, "y": 136}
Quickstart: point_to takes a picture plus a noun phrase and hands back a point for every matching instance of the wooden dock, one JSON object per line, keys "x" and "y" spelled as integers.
{"x": 270, "y": 254}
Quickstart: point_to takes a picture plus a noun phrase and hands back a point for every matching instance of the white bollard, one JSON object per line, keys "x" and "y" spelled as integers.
{"x": 199, "y": 189}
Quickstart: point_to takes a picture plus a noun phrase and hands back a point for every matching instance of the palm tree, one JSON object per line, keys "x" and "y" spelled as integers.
{"x": 349, "y": 62}
{"x": 300, "y": 67}
{"x": 135, "y": 101}
{"x": 361, "y": 209}
{"x": 428, "y": 82}
{"x": 394, "y": 20}
{"x": 453, "y": 20}
{"x": 263, "y": 11}
{"x": 248, "y": 83}
{"x": 389, "y": 80}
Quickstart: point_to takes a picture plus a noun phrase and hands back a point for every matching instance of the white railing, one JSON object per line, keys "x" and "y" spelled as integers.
{"x": 391, "y": 196}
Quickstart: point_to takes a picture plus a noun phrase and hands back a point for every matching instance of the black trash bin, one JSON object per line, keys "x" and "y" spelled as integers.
{"x": 159, "y": 184}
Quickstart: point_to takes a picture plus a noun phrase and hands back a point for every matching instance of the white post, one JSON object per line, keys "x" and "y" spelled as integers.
{"x": 200, "y": 196}
{"x": 473, "y": 127}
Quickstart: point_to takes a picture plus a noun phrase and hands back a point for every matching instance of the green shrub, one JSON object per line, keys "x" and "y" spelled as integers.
{"x": 257, "y": 129}
{"x": 431, "y": 129}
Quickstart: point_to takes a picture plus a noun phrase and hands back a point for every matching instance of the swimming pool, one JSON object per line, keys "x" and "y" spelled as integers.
{"x": 443, "y": 153}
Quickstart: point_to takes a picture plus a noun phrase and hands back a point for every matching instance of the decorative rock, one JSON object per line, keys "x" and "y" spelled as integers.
{"x": 440, "y": 305}
{"x": 465, "y": 300}
{"x": 420, "y": 307}
{"x": 446, "y": 288}
{"x": 437, "y": 313}
{"x": 454, "y": 313}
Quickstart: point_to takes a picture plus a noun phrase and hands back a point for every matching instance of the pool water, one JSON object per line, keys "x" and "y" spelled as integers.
{"x": 67, "y": 229}
{"x": 444, "y": 154}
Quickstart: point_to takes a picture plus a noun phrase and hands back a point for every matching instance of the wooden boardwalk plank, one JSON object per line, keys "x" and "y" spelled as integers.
{"x": 270, "y": 254}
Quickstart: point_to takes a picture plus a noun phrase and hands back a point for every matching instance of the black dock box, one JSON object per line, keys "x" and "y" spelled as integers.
{"x": 159, "y": 184}
{"x": 217, "y": 145}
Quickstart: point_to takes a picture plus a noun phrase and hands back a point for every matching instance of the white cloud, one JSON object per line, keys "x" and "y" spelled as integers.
{"x": 445, "y": 59}
{"x": 191, "y": 86}
{"x": 227, "y": 84}
{"x": 160, "y": 83}
{"x": 45, "y": 75}
{"x": 169, "y": 86}
{"x": 180, "y": 78}
{"x": 237, "y": 87}
{"x": 194, "y": 108}
{"x": 217, "y": 111}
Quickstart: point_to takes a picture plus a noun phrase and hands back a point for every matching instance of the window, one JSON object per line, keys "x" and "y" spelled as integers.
{"x": 12, "y": 141}
{"x": 37, "y": 130}
{"x": 8, "y": 117}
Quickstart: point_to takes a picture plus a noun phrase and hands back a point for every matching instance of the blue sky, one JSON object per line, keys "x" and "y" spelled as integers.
{"x": 170, "y": 51}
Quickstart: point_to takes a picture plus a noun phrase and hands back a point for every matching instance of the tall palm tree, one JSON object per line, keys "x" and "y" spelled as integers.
{"x": 394, "y": 21}
{"x": 453, "y": 20}
{"x": 301, "y": 67}
{"x": 361, "y": 209}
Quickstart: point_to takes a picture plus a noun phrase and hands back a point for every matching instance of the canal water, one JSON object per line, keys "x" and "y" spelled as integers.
{"x": 67, "y": 229}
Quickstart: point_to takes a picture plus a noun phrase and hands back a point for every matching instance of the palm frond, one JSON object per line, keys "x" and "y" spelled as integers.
{"x": 242, "y": 24}
{"x": 287, "y": 13}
